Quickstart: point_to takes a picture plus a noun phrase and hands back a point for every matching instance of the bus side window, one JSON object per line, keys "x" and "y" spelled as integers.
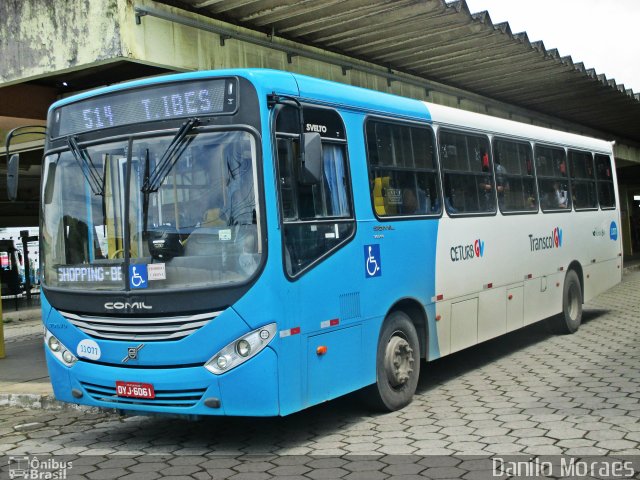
{"x": 402, "y": 169}
{"x": 583, "y": 180}
{"x": 604, "y": 176}
{"x": 515, "y": 182}
{"x": 553, "y": 181}
{"x": 316, "y": 218}
{"x": 469, "y": 185}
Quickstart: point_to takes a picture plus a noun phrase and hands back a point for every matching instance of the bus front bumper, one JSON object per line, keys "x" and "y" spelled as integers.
{"x": 250, "y": 389}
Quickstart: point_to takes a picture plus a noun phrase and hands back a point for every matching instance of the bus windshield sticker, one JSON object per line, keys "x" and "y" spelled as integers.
{"x": 393, "y": 196}
{"x": 89, "y": 349}
{"x": 372, "y": 261}
{"x": 156, "y": 271}
{"x": 224, "y": 235}
{"x": 138, "y": 277}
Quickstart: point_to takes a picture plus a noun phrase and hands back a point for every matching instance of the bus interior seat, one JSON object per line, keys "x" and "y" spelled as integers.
{"x": 378, "y": 199}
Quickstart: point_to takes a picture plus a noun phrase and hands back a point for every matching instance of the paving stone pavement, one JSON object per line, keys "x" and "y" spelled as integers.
{"x": 528, "y": 393}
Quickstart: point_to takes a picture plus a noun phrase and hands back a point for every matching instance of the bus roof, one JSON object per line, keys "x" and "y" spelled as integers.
{"x": 356, "y": 98}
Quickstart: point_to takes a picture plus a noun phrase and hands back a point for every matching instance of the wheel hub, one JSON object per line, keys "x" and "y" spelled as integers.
{"x": 398, "y": 361}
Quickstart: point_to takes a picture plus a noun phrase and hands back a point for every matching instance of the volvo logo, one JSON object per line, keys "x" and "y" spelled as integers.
{"x": 127, "y": 306}
{"x": 132, "y": 353}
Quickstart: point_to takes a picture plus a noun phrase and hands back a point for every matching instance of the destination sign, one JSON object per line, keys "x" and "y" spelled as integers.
{"x": 90, "y": 274}
{"x": 153, "y": 103}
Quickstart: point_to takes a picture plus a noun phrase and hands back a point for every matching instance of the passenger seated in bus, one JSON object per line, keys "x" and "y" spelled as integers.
{"x": 502, "y": 185}
{"x": 560, "y": 196}
{"x": 409, "y": 202}
{"x": 448, "y": 203}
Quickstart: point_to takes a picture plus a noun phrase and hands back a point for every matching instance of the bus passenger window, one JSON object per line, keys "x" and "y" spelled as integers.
{"x": 402, "y": 169}
{"x": 583, "y": 181}
{"x": 515, "y": 183}
{"x": 604, "y": 176}
{"x": 317, "y": 218}
{"x": 553, "y": 181}
{"x": 466, "y": 164}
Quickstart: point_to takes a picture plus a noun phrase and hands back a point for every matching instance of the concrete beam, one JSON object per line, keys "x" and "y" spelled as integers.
{"x": 26, "y": 101}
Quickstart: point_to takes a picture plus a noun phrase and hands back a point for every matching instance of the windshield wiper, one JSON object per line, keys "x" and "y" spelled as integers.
{"x": 145, "y": 197}
{"x": 89, "y": 170}
{"x": 169, "y": 158}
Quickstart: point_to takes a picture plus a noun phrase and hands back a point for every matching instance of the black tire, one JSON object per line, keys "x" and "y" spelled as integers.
{"x": 571, "y": 317}
{"x": 397, "y": 364}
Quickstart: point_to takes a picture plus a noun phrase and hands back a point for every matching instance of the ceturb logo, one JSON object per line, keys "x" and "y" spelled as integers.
{"x": 127, "y": 306}
{"x": 467, "y": 252}
{"x": 546, "y": 242}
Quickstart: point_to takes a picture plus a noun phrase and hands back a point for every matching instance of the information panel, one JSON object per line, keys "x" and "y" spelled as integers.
{"x": 158, "y": 102}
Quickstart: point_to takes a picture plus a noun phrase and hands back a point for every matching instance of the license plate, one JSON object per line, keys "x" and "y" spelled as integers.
{"x": 135, "y": 390}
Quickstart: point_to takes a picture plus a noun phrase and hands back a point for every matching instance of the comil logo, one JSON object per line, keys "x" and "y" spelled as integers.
{"x": 467, "y": 252}
{"x": 545, "y": 243}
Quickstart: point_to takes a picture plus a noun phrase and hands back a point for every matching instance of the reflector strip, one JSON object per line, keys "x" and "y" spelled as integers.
{"x": 437, "y": 298}
{"x": 291, "y": 331}
{"x": 561, "y": 269}
{"x": 488, "y": 285}
{"x": 330, "y": 323}
{"x": 528, "y": 276}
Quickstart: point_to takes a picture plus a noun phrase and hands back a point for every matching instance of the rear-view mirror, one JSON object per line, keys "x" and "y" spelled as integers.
{"x": 12, "y": 176}
{"x": 311, "y": 168}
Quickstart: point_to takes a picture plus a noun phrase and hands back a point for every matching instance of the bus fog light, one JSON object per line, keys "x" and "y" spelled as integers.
{"x": 222, "y": 362}
{"x": 54, "y": 344}
{"x": 68, "y": 357}
{"x": 241, "y": 349}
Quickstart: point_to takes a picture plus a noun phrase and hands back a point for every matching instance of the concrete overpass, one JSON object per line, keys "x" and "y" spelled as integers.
{"x": 426, "y": 49}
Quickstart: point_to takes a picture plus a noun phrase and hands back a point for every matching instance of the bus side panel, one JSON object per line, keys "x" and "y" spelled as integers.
{"x": 488, "y": 257}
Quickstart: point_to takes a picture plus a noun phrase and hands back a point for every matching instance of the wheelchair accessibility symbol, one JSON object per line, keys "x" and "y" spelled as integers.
{"x": 138, "y": 276}
{"x": 372, "y": 261}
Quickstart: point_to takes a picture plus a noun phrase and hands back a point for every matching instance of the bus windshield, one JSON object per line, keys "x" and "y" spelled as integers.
{"x": 152, "y": 213}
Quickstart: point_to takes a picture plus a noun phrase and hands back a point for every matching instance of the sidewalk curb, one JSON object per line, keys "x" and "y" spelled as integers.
{"x": 35, "y": 401}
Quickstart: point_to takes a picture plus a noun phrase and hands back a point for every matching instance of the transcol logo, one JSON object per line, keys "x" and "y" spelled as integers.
{"x": 467, "y": 252}
{"x": 544, "y": 243}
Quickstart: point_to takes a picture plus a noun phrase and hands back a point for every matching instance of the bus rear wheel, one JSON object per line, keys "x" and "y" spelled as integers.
{"x": 571, "y": 317}
{"x": 397, "y": 364}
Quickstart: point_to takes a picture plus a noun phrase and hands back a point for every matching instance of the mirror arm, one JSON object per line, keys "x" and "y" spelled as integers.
{"x": 16, "y": 132}
{"x": 29, "y": 130}
{"x": 274, "y": 99}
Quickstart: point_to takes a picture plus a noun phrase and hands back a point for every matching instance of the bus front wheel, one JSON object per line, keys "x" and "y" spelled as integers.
{"x": 397, "y": 363}
{"x": 571, "y": 317}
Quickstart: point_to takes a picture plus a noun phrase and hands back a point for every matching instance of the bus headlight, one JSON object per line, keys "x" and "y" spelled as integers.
{"x": 54, "y": 344}
{"x": 241, "y": 349}
{"x": 62, "y": 353}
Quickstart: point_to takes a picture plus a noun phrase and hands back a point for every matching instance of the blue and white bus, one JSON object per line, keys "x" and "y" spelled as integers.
{"x": 254, "y": 242}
